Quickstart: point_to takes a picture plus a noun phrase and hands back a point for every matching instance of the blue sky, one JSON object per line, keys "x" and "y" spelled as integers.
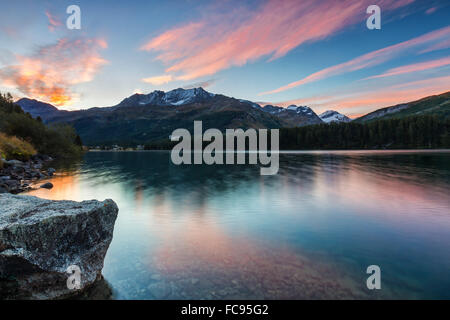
{"x": 312, "y": 52}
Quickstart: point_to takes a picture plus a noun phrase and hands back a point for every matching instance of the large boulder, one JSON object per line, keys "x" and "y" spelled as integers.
{"x": 40, "y": 239}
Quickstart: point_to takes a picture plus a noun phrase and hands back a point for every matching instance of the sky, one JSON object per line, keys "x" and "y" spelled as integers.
{"x": 318, "y": 53}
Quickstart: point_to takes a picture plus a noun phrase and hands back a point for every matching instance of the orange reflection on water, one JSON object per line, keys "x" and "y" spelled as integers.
{"x": 65, "y": 187}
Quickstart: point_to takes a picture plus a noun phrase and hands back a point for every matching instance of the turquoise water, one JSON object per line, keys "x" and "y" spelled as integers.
{"x": 226, "y": 232}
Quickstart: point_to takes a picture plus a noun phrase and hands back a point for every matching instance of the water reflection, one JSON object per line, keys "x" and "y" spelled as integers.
{"x": 309, "y": 232}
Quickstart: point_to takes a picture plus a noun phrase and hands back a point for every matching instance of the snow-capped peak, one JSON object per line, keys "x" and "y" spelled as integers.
{"x": 184, "y": 96}
{"x": 174, "y": 97}
{"x": 333, "y": 116}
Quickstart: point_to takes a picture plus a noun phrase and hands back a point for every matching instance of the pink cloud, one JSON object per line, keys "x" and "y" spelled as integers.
{"x": 414, "y": 68}
{"x": 9, "y": 31}
{"x": 431, "y": 10}
{"x": 444, "y": 44}
{"x": 241, "y": 35}
{"x": 53, "y": 21}
{"x": 369, "y": 59}
{"x": 49, "y": 73}
{"x": 158, "y": 80}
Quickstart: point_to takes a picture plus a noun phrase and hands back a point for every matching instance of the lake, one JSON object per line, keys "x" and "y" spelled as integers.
{"x": 309, "y": 232}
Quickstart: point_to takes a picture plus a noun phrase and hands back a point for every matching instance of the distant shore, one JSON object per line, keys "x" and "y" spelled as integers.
{"x": 301, "y": 151}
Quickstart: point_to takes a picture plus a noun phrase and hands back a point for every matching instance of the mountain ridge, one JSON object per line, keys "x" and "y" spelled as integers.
{"x": 438, "y": 104}
{"x": 146, "y": 117}
{"x": 141, "y": 118}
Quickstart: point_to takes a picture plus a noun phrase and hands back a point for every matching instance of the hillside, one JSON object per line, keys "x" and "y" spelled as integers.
{"x": 438, "y": 105}
{"x": 38, "y": 109}
{"x": 140, "y": 124}
{"x": 21, "y": 133}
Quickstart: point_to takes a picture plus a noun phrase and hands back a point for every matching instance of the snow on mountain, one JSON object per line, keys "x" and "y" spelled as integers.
{"x": 294, "y": 115}
{"x": 174, "y": 97}
{"x": 304, "y": 110}
{"x": 333, "y": 116}
{"x": 272, "y": 109}
{"x": 185, "y": 96}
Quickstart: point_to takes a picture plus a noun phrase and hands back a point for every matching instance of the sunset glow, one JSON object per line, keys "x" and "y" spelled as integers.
{"x": 313, "y": 52}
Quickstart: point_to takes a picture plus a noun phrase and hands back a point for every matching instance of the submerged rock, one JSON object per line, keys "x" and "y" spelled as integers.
{"x": 47, "y": 185}
{"x": 40, "y": 239}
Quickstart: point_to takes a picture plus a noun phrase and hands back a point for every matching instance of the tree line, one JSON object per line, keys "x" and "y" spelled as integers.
{"x": 415, "y": 132}
{"x": 59, "y": 140}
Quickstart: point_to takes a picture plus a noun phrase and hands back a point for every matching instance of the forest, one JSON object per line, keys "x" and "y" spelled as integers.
{"x": 22, "y": 136}
{"x": 414, "y": 132}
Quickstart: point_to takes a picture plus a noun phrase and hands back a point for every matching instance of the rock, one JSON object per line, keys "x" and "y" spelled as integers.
{"x": 40, "y": 239}
{"x": 47, "y": 185}
{"x": 15, "y": 163}
{"x": 10, "y": 182}
{"x": 100, "y": 290}
{"x": 37, "y": 166}
{"x": 51, "y": 171}
{"x": 41, "y": 157}
{"x": 13, "y": 186}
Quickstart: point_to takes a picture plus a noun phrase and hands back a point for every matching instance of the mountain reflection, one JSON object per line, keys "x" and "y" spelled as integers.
{"x": 310, "y": 231}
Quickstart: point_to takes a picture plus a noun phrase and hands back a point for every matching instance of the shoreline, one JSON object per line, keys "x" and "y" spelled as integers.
{"x": 306, "y": 151}
{"x": 17, "y": 176}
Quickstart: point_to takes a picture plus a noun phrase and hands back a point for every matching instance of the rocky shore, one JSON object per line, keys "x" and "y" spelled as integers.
{"x": 17, "y": 176}
{"x": 41, "y": 240}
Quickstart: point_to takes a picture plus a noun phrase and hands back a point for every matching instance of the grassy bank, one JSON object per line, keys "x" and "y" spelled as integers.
{"x": 15, "y": 148}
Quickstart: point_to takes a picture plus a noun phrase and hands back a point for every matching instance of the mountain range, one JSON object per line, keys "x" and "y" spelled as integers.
{"x": 143, "y": 118}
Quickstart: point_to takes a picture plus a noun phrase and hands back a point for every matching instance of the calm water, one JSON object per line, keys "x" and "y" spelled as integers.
{"x": 225, "y": 232}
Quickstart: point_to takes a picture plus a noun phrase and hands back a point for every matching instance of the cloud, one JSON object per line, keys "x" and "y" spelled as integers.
{"x": 52, "y": 70}
{"x": 414, "y": 68}
{"x": 431, "y": 10}
{"x": 53, "y": 21}
{"x": 165, "y": 79}
{"x": 202, "y": 84}
{"x": 444, "y": 44}
{"x": 369, "y": 59}
{"x": 158, "y": 80}
{"x": 242, "y": 35}
{"x": 355, "y": 103}
{"x": 9, "y": 31}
